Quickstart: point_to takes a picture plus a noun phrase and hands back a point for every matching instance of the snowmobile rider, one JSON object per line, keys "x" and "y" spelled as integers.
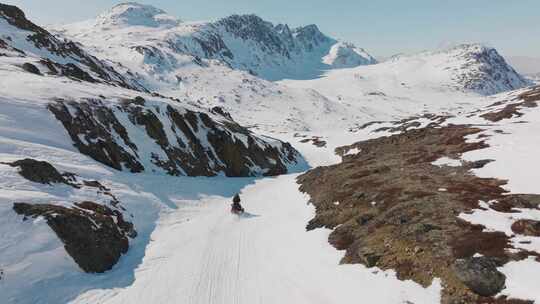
{"x": 236, "y": 207}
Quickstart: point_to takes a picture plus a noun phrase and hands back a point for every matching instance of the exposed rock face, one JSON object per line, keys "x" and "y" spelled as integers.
{"x": 91, "y": 130}
{"x": 176, "y": 140}
{"x": 94, "y": 235}
{"x": 480, "y": 274}
{"x": 55, "y": 51}
{"x": 399, "y": 211}
{"x": 38, "y": 171}
{"x": 30, "y": 68}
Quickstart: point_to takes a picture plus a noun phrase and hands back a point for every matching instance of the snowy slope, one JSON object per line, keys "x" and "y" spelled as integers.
{"x": 468, "y": 69}
{"x": 21, "y": 41}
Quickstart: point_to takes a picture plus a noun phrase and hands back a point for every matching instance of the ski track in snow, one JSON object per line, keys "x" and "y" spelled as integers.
{"x": 201, "y": 253}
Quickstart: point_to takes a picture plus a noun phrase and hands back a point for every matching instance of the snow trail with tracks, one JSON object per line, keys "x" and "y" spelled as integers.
{"x": 201, "y": 253}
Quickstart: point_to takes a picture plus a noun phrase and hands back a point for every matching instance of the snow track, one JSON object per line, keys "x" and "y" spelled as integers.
{"x": 200, "y": 253}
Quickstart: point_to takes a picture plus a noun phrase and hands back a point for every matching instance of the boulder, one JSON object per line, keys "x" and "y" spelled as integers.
{"x": 480, "y": 275}
{"x": 527, "y": 227}
{"x": 30, "y": 68}
{"x": 38, "y": 171}
{"x": 94, "y": 235}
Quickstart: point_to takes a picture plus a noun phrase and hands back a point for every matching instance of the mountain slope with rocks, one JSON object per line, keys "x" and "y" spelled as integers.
{"x": 433, "y": 197}
{"x": 244, "y": 42}
{"x": 123, "y": 140}
{"x": 37, "y": 51}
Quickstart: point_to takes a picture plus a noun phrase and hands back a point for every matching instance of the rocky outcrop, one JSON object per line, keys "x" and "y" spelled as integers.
{"x": 93, "y": 128}
{"x": 391, "y": 208}
{"x": 528, "y": 99}
{"x": 30, "y": 68}
{"x": 38, "y": 171}
{"x": 94, "y": 235}
{"x": 480, "y": 274}
{"x": 527, "y": 227}
{"x": 175, "y": 140}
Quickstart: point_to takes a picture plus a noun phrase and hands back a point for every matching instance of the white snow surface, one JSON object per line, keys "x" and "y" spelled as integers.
{"x": 264, "y": 256}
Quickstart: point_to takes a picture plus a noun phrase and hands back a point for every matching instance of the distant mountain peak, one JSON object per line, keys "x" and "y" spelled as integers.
{"x": 347, "y": 55}
{"x": 241, "y": 41}
{"x": 136, "y": 14}
{"x": 16, "y": 17}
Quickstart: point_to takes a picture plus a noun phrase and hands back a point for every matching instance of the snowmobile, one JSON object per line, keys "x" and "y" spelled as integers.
{"x": 236, "y": 208}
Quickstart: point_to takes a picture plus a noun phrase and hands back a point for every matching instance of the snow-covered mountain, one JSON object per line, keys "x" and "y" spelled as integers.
{"x": 244, "y": 42}
{"x": 427, "y": 77}
{"x": 482, "y": 69}
{"x": 135, "y": 14}
{"x": 120, "y": 137}
{"x": 186, "y": 139}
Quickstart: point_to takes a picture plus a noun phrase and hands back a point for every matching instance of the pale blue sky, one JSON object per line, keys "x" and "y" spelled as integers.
{"x": 383, "y": 27}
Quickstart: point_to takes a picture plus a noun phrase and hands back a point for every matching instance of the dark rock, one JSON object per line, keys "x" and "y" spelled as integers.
{"x": 94, "y": 235}
{"x": 30, "y": 68}
{"x": 479, "y": 163}
{"x": 364, "y": 218}
{"x": 222, "y": 112}
{"x": 369, "y": 258}
{"x": 38, "y": 171}
{"x": 426, "y": 227}
{"x": 527, "y": 227}
{"x": 71, "y": 70}
{"x": 16, "y": 17}
{"x": 480, "y": 274}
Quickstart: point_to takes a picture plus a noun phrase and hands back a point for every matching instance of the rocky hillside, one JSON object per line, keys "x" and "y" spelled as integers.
{"x": 35, "y": 50}
{"x": 482, "y": 69}
{"x": 413, "y": 201}
{"x": 164, "y": 45}
{"x": 468, "y": 67}
{"x": 138, "y": 136}
{"x": 188, "y": 140}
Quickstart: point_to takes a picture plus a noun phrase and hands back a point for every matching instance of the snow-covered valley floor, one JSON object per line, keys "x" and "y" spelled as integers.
{"x": 200, "y": 253}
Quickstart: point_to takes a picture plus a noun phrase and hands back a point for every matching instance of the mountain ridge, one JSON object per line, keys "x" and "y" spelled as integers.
{"x": 275, "y": 51}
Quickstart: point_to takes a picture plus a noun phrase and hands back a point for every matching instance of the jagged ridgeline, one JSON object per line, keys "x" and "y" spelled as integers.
{"x": 242, "y": 42}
